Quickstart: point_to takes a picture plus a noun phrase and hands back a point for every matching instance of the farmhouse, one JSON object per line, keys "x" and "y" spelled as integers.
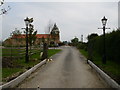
{"x": 52, "y": 39}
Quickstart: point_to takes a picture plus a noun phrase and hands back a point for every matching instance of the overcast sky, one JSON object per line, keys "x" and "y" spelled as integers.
{"x": 72, "y": 18}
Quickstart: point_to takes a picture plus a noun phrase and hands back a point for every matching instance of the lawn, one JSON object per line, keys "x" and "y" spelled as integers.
{"x": 20, "y": 64}
{"x": 9, "y": 71}
{"x": 111, "y": 68}
{"x": 52, "y": 52}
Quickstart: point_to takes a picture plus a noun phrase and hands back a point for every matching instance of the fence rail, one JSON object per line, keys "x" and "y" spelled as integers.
{"x": 18, "y": 51}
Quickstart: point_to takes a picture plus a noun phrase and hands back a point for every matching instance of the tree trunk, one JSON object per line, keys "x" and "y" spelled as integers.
{"x": 45, "y": 51}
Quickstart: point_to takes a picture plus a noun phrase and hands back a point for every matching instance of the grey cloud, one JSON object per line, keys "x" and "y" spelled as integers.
{"x": 73, "y": 19}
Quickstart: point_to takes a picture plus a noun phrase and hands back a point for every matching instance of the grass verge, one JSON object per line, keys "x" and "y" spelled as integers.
{"x": 53, "y": 51}
{"x": 84, "y": 53}
{"x": 111, "y": 68}
{"x": 9, "y": 71}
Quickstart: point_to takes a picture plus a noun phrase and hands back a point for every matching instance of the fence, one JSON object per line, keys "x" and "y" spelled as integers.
{"x": 18, "y": 52}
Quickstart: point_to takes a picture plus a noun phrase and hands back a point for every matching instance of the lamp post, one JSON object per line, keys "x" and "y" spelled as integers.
{"x": 104, "y": 21}
{"x": 26, "y": 23}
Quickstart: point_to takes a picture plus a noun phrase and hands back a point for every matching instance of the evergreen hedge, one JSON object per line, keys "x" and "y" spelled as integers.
{"x": 112, "y": 45}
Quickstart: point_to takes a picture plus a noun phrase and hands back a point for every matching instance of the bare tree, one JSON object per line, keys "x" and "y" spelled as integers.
{"x": 1, "y": 2}
{"x": 45, "y": 44}
{"x": 4, "y": 10}
{"x": 49, "y": 27}
{"x": 16, "y": 32}
{"x": 15, "y": 35}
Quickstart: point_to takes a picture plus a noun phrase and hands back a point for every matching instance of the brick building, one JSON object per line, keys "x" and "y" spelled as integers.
{"x": 52, "y": 39}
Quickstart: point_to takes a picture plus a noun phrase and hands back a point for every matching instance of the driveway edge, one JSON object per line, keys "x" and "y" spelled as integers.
{"x": 20, "y": 78}
{"x": 107, "y": 78}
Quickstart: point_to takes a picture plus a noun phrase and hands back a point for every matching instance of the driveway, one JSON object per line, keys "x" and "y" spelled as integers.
{"x": 68, "y": 69}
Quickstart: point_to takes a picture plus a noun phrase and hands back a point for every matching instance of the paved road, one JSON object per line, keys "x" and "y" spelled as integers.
{"x": 67, "y": 70}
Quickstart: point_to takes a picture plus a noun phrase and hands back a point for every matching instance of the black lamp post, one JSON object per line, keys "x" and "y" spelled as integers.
{"x": 104, "y": 21}
{"x": 27, "y": 23}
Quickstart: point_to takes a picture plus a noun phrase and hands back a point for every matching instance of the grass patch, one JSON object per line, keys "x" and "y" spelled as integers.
{"x": 111, "y": 68}
{"x": 84, "y": 52}
{"x": 52, "y": 52}
{"x": 31, "y": 63}
{"x": 9, "y": 71}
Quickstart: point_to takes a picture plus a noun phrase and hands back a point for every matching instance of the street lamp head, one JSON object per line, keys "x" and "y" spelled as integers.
{"x": 26, "y": 21}
{"x": 104, "y": 21}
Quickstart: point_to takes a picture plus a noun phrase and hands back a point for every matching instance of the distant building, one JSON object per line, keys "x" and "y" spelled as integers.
{"x": 52, "y": 39}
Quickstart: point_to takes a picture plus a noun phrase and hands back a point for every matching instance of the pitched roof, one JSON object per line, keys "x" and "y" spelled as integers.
{"x": 19, "y": 36}
{"x": 38, "y": 36}
{"x": 43, "y": 35}
{"x": 55, "y": 28}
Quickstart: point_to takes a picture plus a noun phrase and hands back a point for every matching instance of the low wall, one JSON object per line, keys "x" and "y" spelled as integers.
{"x": 107, "y": 78}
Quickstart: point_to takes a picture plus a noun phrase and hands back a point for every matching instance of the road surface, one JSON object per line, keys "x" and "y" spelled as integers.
{"x": 68, "y": 69}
